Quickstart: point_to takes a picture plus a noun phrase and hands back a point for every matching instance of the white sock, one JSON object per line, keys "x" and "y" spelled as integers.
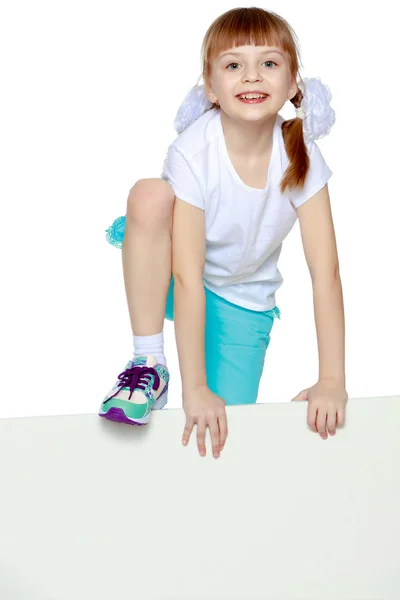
{"x": 150, "y": 344}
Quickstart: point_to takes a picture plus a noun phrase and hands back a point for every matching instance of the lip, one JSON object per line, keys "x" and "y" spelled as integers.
{"x": 251, "y": 92}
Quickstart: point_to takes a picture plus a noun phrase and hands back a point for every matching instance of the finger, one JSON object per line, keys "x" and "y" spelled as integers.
{"x": 223, "y": 429}
{"x": 187, "y": 431}
{"x": 201, "y": 436}
{"x": 331, "y": 421}
{"x": 321, "y": 422}
{"x": 340, "y": 416}
{"x": 214, "y": 433}
{"x": 311, "y": 416}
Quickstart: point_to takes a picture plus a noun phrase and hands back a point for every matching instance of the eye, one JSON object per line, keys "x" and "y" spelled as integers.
{"x": 233, "y": 63}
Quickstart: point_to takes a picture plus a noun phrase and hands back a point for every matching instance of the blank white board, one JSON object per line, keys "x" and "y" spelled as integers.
{"x": 95, "y": 510}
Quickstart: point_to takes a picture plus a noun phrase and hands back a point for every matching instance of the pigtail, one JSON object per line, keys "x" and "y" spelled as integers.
{"x": 296, "y": 149}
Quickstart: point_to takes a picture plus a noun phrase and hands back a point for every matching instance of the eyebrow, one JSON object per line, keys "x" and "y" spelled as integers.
{"x": 261, "y": 53}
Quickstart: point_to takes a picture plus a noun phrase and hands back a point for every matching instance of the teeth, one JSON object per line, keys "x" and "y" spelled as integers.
{"x": 252, "y": 96}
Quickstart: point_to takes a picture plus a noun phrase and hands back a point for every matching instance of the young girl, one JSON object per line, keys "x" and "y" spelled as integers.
{"x": 205, "y": 239}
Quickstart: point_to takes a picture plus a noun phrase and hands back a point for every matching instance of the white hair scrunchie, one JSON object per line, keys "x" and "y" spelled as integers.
{"x": 315, "y": 110}
{"x": 319, "y": 114}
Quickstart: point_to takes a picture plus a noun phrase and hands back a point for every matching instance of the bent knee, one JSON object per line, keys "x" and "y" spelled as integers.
{"x": 151, "y": 196}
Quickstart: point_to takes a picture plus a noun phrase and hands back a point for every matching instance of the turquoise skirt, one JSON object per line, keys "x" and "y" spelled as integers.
{"x": 235, "y": 343}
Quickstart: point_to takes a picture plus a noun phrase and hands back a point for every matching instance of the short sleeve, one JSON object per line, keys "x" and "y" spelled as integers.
{"x": 178, "y": 172}
{"x": 317, "y": 176}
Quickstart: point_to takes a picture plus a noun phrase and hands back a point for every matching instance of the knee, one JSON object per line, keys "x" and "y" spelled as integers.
{"x": 153, "y": 198}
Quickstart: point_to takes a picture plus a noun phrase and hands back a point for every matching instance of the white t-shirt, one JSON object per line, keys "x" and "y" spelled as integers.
{"x": 244, "y": 226}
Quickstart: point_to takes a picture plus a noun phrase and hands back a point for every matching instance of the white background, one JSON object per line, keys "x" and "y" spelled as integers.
{"x": 89, "y": 94}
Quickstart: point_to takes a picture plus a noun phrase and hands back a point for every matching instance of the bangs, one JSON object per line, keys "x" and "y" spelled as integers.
{"x": 245, "y": 27}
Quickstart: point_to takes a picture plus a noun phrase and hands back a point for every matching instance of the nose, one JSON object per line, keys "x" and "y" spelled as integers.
{"x": 252, "y": 75}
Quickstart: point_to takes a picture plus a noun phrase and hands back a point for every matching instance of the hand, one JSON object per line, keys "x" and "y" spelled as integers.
{"x": 204, "y": 407}
{"x": 326, "y": 406}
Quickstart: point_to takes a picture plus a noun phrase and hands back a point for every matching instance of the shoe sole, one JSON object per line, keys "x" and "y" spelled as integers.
{"x": 118, "y": 415}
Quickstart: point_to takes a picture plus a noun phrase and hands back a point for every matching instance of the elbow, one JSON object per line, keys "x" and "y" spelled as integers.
{"x": 326, "y": 274}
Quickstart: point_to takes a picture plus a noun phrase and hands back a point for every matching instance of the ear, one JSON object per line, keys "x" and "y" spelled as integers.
{"x": 294, "y": 88}
{"x": 208, "y": 91}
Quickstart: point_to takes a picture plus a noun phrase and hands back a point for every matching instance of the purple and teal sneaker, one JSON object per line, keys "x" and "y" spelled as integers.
{"x": 141, "y": 388}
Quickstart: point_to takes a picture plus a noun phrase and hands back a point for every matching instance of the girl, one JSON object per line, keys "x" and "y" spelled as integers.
{"x": 201, "y": 244}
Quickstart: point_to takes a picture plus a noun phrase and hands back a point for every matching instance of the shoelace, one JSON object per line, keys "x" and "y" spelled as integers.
{"x": 136, "y": 377}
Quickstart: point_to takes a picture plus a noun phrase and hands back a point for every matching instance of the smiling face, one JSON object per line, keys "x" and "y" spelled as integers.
{"x": 259, "y": 68}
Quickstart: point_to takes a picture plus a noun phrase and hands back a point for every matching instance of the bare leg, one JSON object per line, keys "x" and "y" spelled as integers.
{"x": 146, "y": 254}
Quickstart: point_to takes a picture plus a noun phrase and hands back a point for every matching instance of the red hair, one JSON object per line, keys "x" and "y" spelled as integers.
{"x": 259, "y": 27}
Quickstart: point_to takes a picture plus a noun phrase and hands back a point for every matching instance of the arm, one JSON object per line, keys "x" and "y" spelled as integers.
{"x": 319, "y": 243}
{"x": 189, "y": 318}
{"x": 330, "y": 327}
{"x": 188, "y": 259}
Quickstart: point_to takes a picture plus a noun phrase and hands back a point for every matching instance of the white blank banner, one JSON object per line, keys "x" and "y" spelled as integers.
{"x": 94, "y": 510}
